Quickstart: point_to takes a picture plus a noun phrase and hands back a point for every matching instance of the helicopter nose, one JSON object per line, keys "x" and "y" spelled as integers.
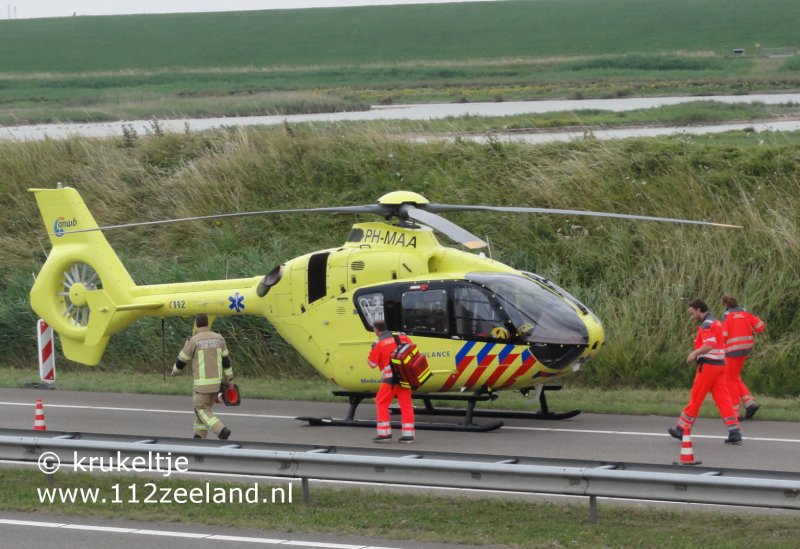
{"x": 586, "y": 339}
{"x": 597, "y": 335}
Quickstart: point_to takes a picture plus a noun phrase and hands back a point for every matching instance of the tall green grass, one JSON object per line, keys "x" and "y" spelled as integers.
{"x": 636, "y": 276}
{"x": 791, "y": 64}
{"x": 639, "y": 62}
{"x": 693, "y": 112}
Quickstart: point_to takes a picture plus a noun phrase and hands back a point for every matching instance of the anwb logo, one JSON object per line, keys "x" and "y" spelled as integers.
{"x": 60, "y": 224}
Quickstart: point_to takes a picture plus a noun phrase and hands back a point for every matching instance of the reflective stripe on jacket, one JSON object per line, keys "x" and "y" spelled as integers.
{"x": 739, "y": 325}
{"x": 710, "y": 332}
{"x": 205, "y": 350}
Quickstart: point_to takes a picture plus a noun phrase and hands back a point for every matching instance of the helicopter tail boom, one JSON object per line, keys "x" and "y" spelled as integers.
{"x": 82, "y": 281}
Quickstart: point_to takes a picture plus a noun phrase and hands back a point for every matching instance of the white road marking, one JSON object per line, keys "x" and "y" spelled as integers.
{"x": 152, "y": 410}
{"x": 98, "y": 528}
{"x": 246, "y": 539}
{"x": 504, "y": 428}
{"x": 33, "y": 523}
{"x": 168, "y": 534}
{"x": 192, "y": 535}
{"x": 322, "y": 544}
{"x": 639, "y": 434}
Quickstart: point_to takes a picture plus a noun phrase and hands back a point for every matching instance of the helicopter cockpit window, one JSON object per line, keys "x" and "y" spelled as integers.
{"x": 425, "y": 311}
{"x": 539, "y": 314}
{"x": 474, "y": 313}
{"x": 371, "y": 306}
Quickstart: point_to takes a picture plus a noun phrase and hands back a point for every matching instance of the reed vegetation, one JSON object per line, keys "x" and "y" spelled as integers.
{"x": 636, "y": 276}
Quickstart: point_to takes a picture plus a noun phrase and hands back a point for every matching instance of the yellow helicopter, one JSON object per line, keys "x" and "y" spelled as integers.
{"x": 484, "y": 326}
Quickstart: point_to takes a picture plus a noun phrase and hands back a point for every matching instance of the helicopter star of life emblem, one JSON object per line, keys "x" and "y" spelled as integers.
{"x": 237, "y": 302}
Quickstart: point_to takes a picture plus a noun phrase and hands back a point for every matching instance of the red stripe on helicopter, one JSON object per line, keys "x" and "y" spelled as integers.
{"x": 464, "y": 358}
{"x": 502, "y": 361}
{"x": 485, "y": 359}
{"x": 460, "y": 367}
{"x": 475, "y": 376}
{"x": 527, "y": 363}
{"x": 506, "y": 358}
{"x": 509, "y": 359}
{"x": 496, "y": 375}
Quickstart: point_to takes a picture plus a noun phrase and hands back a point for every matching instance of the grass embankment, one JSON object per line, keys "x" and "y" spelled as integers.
{"x": 691, "y": 113}
{"x": 636, "y": 276}
{"x": 289, "y": 61}
{"x": 431, "y": 518}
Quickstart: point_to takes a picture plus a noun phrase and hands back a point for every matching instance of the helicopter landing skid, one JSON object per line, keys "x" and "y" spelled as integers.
{"x": 543, "y": 413}
{"x": 419, "y": 425}
{"x": 356, "y": 398}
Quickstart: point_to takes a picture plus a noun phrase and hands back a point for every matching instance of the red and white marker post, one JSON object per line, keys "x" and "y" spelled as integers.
{"x": 47, "y": 355}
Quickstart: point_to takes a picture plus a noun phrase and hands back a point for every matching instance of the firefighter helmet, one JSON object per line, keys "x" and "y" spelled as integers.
{"x": 499, "y": 332}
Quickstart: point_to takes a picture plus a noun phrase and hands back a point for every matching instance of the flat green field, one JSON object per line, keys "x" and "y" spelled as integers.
{"x": 321, "y": 60}
{"x": 395, "y": 34}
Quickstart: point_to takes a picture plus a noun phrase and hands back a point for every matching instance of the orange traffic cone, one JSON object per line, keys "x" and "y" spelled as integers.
{"x": 687, "y": 453}
{"x": 38, "y": 422}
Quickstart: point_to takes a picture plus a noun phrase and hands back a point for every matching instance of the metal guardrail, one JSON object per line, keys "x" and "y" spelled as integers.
{"x": 589, "y": 479}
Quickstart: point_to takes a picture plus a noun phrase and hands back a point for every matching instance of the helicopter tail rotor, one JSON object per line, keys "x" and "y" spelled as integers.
{"x": 82, "y": 281}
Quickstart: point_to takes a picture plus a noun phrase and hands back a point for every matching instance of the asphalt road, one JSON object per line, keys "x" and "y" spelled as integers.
{"x": 768, "y": 445}
{"x": 39, "y": 531}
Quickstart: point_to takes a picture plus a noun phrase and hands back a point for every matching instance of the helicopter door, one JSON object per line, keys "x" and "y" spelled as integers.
{"x": 477, "y": 316}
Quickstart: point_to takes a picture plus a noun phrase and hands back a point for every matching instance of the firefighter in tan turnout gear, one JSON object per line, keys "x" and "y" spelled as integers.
{"x": 210, "y": 365}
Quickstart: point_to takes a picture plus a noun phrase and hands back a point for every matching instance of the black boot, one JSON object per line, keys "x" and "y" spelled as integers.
{"x": 676, "y": 432}
{"x": 225, "y": 433}
{"x": 734, "y": 437}
{"x": 751, "y": 410}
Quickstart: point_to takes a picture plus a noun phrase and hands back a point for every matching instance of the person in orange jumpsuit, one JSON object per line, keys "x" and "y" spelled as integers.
{"x": 380, "y": 357}
{"x": 711, "y": 375}
{"x": 738, "y": 326}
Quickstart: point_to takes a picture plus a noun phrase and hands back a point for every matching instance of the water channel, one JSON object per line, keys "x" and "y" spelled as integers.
{"x": 437, "y": 111}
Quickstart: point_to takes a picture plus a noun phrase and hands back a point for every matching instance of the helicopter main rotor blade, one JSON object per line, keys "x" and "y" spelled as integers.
{"x": 519, "y": 209}
{"x": 444, "y": 226}
{"x": 367, "y": 208}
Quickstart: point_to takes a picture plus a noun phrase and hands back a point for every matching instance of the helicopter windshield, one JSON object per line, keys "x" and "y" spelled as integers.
{"x": 538, "y": 314}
